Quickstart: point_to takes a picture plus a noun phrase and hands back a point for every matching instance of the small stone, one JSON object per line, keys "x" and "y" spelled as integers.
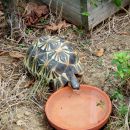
{"x": 21, "y": 96}
{"x": 100, "y": 52}
{"x": 19, "y": 115}
{"x": 27, "y": 113}
{"x": 20, "y": 123}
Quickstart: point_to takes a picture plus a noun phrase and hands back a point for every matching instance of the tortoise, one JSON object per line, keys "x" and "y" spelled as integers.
{"x": 55, "y": 59}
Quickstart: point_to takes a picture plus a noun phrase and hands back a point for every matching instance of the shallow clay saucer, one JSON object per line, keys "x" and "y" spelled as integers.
{"x": 87, "y": 109}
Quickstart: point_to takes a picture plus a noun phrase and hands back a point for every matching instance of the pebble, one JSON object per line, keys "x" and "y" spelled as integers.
{"x": 20, "y": 123}
{"x": 27, "y": 113}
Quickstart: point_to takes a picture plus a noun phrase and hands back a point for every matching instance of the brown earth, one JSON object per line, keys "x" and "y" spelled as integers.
{"x": 17, "y": 112}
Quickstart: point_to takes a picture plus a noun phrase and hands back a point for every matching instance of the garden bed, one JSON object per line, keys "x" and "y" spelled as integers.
{"x": 84, "y": 13}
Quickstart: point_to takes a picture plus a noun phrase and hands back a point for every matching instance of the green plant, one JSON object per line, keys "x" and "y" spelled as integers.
{"x": 94, "y": 3}
{"x": 85, "y": 13}
{"x": 122, "y": 62}
{"x": 28, "y": 30}
{"x": 79, "y": 31}
{"x": 116, "y": 95}
{"x": 117, "y": 2}
{"x": 43, "y": 21}
{"x": 122, "y": 109}
{"x": 21, "y": 45}
{"x": 121, "y": 106}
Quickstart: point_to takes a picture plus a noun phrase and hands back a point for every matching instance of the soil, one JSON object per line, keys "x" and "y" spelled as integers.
{"x": 17, "y": 112}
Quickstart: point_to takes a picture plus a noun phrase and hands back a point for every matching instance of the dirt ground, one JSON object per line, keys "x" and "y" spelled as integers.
{"x": 17, "y": 112}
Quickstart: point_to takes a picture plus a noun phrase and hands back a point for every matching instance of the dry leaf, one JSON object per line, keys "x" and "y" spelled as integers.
{"x": 29, "y": 83}
{"x": 64, "y": 24}
{"x": 29, "y": 8}
{"x": 39, "y": 10}
{"x": 1, "y": 13}
{"x": 100, "y": 52}
{"x": 42, "y": 10}
{"x": 57, "y": 27}
{"x": 5, "y": 59}
{"x": 33, "y": 12}
{"x": 123, "y": 33}
{"x": 3, "y": 53}
{"x": 52, "y": 27}
{"x": 16, "y": 54}
{"x": 15, "y": 64}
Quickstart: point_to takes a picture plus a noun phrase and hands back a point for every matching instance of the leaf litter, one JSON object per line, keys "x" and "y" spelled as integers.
{"x": 33, "y": 12}
{"x": 90, "y": 70}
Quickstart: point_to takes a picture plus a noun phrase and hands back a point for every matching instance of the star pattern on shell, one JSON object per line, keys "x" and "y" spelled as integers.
{"x": 54, "y": 58}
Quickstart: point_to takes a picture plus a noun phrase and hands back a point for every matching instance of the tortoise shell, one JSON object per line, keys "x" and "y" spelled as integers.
{"x": 55, "y": 59}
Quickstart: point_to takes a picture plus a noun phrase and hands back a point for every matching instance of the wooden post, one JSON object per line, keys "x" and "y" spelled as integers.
{"x": 83, "y": 6}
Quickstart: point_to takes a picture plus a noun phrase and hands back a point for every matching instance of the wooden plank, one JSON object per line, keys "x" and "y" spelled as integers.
{"x": 72, "y": 11}
{"x": 102, "y": 12}
{"x": 84, "y": 18}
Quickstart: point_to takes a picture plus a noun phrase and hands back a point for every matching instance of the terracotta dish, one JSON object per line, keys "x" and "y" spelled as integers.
{"x": 87, "y": 109}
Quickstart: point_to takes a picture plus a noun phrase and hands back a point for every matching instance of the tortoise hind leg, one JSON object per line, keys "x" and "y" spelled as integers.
{"x": 51, "y": 86}
{"x": 57, "y": 83}
{"x": 54, "y": 85}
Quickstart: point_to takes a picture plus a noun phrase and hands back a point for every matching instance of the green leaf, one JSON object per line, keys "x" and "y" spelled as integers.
{"x": 125, "y": 70}
{"x": 122, "y": 62}
{"x": 119, "y": 67}
{"x": 116, "y": 75}
{"x": 117, "y": 2}
{"x": 115, "y": 61}
{"x": 123, "y": 109}
{"x": 85, "y": 13}
{"x": 121, "y": 74}
{"x": 117, "y": 95}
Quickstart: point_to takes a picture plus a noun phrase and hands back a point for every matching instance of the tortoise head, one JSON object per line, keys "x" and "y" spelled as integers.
{"x": 74, "y": 82}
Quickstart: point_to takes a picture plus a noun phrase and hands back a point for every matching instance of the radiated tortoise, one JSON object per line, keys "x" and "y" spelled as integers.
{"x": 54, "y": 58}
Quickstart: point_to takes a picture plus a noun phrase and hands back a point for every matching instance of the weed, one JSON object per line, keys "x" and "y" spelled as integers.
{"x": 87, "y": 42}
{"x": 121, "y": 106}
{"x": 117, "y": 2}
{"x": 122, "y": 62}
{"x": 39, "y": 113}
{"x": 99, "y": 62}
{"x": 21, "y": 45}
{"x": 79, "y": 31}
{"x": 116, "y": 95}
{"x": 122, "y": 109}
{"x": 28, "y": 30}
{"x": 43, "y": 21}
{"x": 95, "y": 3}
